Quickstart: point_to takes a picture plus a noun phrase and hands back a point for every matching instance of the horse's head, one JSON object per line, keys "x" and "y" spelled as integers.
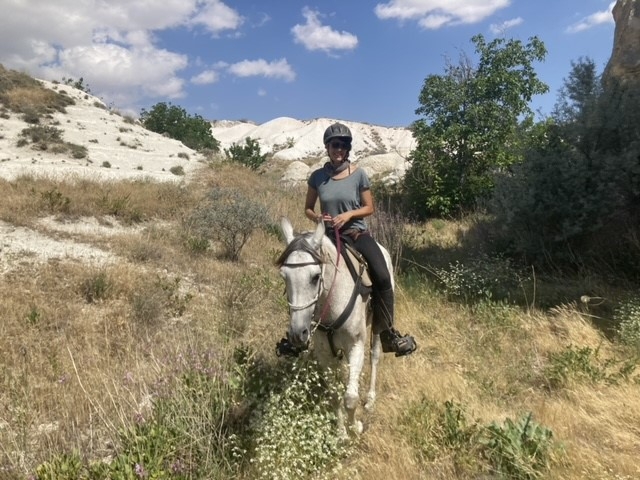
{"x": 301, "y": 267}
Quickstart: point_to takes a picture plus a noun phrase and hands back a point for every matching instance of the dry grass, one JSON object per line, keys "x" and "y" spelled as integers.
{"x": 82, "y": 345}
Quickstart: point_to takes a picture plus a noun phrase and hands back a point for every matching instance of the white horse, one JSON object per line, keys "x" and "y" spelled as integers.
{"x": 319, "y": 289}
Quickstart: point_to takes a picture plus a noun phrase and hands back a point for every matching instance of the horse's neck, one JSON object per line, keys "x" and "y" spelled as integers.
{"x": 337, "y": 278}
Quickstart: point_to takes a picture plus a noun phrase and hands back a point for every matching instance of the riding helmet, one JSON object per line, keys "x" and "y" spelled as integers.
{"x": 337, "y": 130}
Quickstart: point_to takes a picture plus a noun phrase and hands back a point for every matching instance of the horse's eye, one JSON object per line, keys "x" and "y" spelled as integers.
{"x": 315, "y": 279}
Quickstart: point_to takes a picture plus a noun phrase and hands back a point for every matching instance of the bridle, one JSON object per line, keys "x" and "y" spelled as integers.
{"x": 314, "y": 301}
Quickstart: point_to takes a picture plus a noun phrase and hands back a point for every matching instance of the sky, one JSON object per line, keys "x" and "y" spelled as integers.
{"x": 259, "y": 60}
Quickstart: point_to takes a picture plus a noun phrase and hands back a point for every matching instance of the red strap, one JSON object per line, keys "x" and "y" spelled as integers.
{"x": 336, "y": 232}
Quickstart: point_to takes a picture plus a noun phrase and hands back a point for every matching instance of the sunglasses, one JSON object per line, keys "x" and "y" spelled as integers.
{"x": 342, "y": 145}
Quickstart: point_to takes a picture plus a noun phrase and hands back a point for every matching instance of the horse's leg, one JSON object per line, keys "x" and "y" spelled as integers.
{"x": 351, "y": 396}
{"x": 376, "y": 352}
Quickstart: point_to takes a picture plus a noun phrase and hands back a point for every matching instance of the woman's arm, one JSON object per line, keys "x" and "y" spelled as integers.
{"x": 310, "y": 205}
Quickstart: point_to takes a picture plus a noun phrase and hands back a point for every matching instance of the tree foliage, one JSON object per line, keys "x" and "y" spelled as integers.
{"x": 247, "y": 154}
{"x": 576, "y": 195}
{"x": 172, "y": 120}
{"x": 473, "y": 117}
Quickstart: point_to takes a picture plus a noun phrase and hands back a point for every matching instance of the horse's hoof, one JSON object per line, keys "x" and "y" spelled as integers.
{"x": 369, "y": 406}
{"x": 358, "y": 428}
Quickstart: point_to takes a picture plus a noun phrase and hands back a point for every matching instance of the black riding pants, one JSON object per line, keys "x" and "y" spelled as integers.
{"x": 370, "y": 250}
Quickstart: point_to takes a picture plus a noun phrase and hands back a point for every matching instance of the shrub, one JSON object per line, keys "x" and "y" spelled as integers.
{"x": 247, "y": 154}
{"x": 193, "y": 131}
{"x": 228, "y": 217}
{"x": 96, "y": 287}
{"x": 434, "y": 430}
{"x": 294, "y": 435}
{"x": 177, "y": 170}
{"x": 486, "y": 278}
{"x": 519, "y": 450}
{"x": 627, "y": 317}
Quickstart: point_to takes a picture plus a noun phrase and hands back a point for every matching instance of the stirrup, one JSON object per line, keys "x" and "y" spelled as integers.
{"x": 285, "y": 348}
{"x": 393, "y": 341}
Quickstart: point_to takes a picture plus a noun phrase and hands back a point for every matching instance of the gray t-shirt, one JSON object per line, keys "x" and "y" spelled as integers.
{"x": 339, "y": 196}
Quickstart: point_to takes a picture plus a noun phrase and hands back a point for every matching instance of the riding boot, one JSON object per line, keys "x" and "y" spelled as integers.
{"x": 391, "y": 339}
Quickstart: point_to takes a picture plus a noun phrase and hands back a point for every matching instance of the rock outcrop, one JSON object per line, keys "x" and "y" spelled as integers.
{"x": 624, "y": 64}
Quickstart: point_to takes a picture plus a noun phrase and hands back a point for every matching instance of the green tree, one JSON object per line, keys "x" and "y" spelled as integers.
{"x": 473, "y": 121}
{"x": 172, "y": 120}
{"x": 247, "y": 154}
{"x": 574, "y": 198}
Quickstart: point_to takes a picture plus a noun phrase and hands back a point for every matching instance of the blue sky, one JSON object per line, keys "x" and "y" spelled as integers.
{"x": 263, "y": 59}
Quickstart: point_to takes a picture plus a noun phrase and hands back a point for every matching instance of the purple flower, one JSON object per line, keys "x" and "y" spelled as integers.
{"x": 140, "y": 471}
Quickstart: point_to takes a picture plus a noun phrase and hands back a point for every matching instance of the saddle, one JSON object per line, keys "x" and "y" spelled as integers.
{"x": 354, "y": 260}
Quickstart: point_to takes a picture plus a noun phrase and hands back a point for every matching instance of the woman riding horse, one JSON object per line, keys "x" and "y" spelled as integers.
{"x": 345, "y": 197}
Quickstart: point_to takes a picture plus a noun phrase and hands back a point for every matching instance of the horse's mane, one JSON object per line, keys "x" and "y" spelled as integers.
{"x": 299, "y": 243}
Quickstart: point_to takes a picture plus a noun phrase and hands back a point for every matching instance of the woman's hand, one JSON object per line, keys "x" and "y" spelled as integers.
{"x": 340, "y": 220}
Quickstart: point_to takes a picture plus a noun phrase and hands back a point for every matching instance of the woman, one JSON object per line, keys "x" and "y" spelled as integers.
{"x": 345, "y": 197}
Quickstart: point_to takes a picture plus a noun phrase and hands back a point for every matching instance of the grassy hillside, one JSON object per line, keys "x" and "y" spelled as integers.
{"x": 133, "y": 346}
{"x": 91, "y": 352}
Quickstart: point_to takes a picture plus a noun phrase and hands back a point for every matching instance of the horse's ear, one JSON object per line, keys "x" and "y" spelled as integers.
{"x": 287, "y": 229}
{"x": 316, "y": 239}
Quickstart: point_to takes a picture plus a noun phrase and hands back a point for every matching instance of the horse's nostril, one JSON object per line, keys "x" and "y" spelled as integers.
{"x": 305, "y": 335}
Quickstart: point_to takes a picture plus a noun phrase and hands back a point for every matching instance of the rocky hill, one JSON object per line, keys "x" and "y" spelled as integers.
{"x": 119, "y": 147}
{"x": 381, "y": 151}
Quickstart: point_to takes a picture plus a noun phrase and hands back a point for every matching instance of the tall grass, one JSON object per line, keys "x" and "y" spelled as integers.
{"x": 161, "y": 362}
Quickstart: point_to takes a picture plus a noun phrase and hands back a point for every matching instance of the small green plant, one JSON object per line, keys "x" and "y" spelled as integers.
{"x": 55, "y": 201}
{"x": 96, "y": 287}
{"x": 436, "y": 430}
{"x": 66, "y": 466}
{"x": 520, "y": 450}
{"x": 571, "y": 364}
{"x": 184, "y": 155}
{"x": 106, "y": 164}
{"x": 197, "y": 244}
{"x": 34, "y": 316}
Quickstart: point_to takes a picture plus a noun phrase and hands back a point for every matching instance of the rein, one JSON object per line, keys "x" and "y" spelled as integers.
{"x": 358, "y": 290}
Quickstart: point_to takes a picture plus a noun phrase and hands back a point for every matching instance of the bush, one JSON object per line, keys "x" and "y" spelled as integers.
{"x": 295, "y": 435}
{"x": 486, "y": 278}
{"x": 247, "y": 154}
{"x": 519, "y": 450}
{"x": 193, "y": 131}
{"x": 627, "y": 317}
{"x": 230, "y": 218}
{"x": 574, "y": 199}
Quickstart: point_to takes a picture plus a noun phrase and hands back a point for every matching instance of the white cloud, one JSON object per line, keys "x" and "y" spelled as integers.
{"x": 112, "y": 44}
{"x": 216, "y": 16}
{"x": 593, "y": 20}
{"x": 433, "y": 14}
{"x": 206, "y": 77}
{"x": 262, "y": 92}
{"x": 315, "y": 36}
{"x": 262, "y": 68}
{"x": 500, "y": 28}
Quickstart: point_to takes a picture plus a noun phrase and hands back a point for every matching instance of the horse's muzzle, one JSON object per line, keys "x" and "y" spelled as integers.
{"x": 299, "y": 337}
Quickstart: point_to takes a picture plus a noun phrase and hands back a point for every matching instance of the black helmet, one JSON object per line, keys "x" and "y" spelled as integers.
{"x": 337, "y": 130}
